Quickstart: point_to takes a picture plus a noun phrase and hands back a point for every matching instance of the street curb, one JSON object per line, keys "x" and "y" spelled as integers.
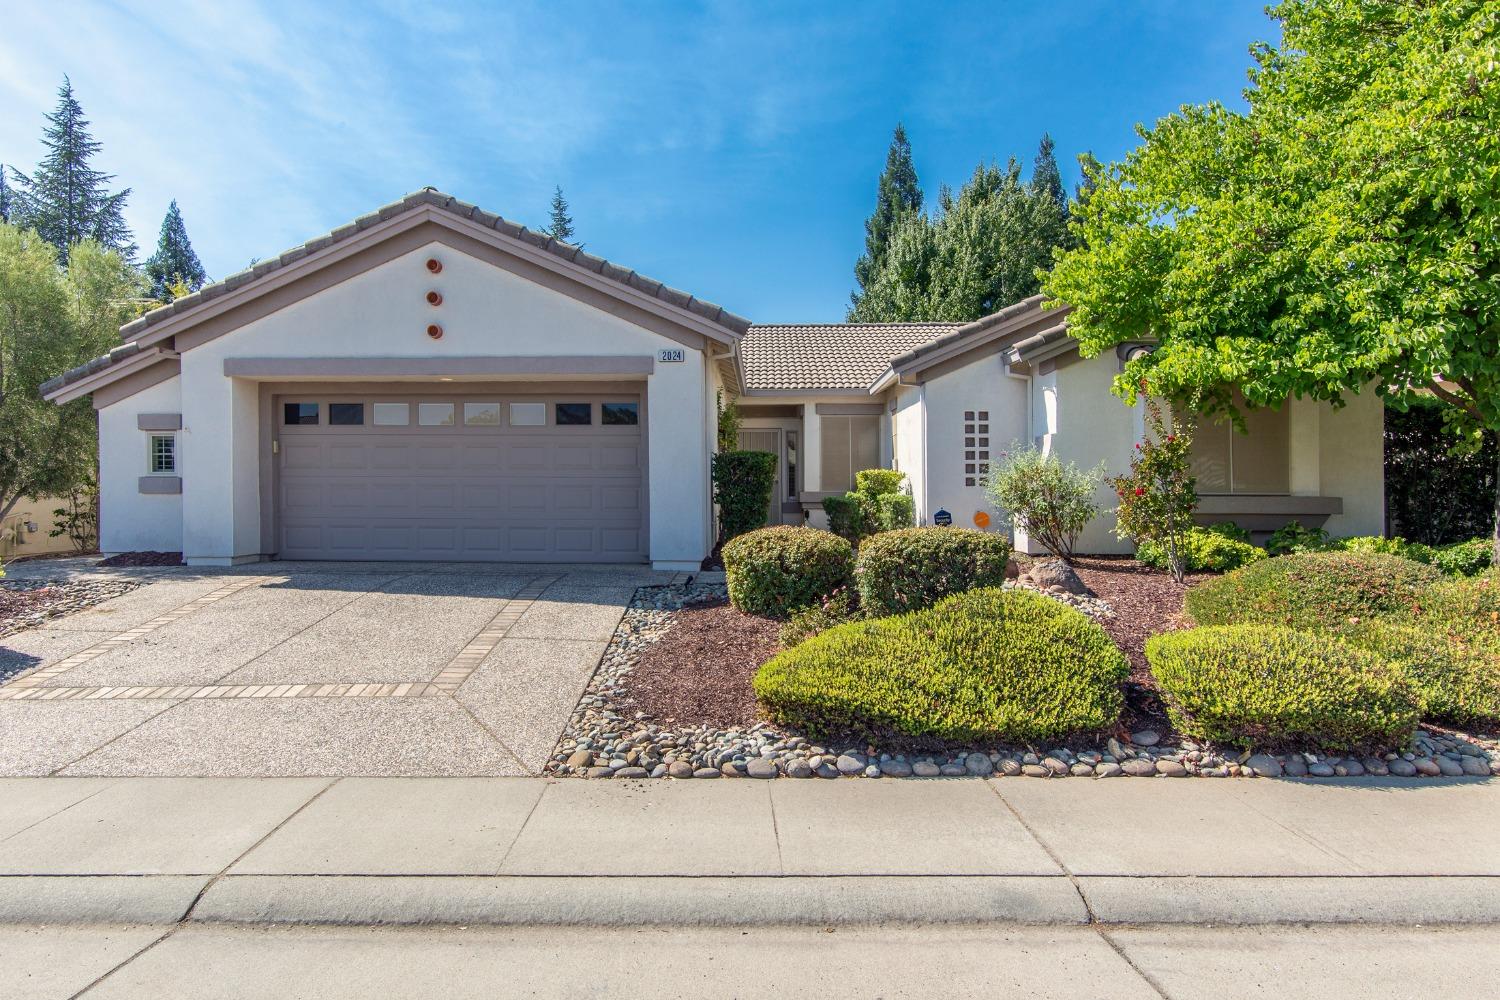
{"x": 86, "y": 899}
{"x": 1293, "y": 899}
{"x": 632, "y": 902}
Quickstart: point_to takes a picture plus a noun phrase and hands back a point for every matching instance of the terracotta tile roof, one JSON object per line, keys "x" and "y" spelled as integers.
{"x": 849, "y": 356}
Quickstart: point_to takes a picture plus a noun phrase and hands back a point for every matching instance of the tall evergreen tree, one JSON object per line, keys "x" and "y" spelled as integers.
{"x": 561, "y": 224}
{"x": 980, "y": 252}
{"x": 65, "y": 199}
{"x": 174, "y": 263}
{"x": 1045, "y": 177}
{"x": 4, "y": 196}
{"x": 897, "y": 195}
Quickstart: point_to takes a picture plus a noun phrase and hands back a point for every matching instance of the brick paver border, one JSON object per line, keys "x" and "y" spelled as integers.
{"x": 447, "y": 681}
{"x": 36, "y": 677}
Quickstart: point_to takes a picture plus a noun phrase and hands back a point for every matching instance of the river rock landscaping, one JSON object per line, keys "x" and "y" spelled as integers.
{"x": 28, "y": 603}
{"x": 700, "y": 721}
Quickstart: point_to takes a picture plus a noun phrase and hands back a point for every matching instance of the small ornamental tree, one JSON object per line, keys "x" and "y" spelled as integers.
{"x": 1049, "y": 500}
{"x": 1157, "y": 498}
{"x": 743, "y": 481}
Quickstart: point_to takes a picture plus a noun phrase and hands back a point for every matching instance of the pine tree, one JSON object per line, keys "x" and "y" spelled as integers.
{"x": 561, "y": 226}
{"x": 4, "y": 197}
{"x": 1045, "y": 178}
{"x": 897, "y": 194}
{"x": 174, "y": 263}
{"x": 980, "y": 252}
{"x": 65, "y": 199}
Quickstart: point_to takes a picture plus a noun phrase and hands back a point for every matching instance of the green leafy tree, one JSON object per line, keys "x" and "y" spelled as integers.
{"x": 65, "y": 199}
{"x": 1339, "y": 233}
{"x": 174, "y": 263}
{"x": 560, "y": 224}
{"x": 52, "y": 320}
{"x": 897, "y": 196}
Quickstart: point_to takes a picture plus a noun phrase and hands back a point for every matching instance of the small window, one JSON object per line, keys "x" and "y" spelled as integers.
{"x": 618, "y": 414}
{"x": 435, "y": 414}
{"x": 295, "y": 414}
{"x": 482, "y": 414}
{"x": 391, "y": 414}
{"x": 528, "y": 414}
{"x": 163, "y": 454}
{"x": 346, "y": 414}
{"x": 574, "y": 414}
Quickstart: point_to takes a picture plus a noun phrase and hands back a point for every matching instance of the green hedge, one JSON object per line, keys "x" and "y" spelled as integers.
{"x": 894, "y": 511}
{"x": 914, "y": 568}
{"x": 774, "y": 571}
{"x": 743, "y": 481}
{"x": 987, "y": 665}
{"x": 878, "y": 482}
{"x": 851, "y": 516}
{"x": 1459, "y": 681}
{"x": 1264, "y": 686}
{"x": 1465, "y": 558}
{"x": 1316, "y": 591}
{"x": 1213, "y": 549}
{"x": 1466, "y": 609}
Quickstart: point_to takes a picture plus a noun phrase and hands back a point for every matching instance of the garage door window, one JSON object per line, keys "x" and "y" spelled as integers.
{"x": 391, "y": 414}
{"x": 482, "y": 414}
{"x": 574, "y": 414}
{"x": 435, "y": 414}
{"x": 528, "y": 414}
{"x": 346, "y": 414}
{"x": 618, "y": 414}
{"x": 294, "y": 414}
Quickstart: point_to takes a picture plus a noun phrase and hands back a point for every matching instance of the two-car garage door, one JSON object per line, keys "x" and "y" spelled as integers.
{"x": 544, "y": 478}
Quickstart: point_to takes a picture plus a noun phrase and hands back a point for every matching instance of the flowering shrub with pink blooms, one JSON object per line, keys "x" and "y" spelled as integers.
{"x": 1157, "y": 498}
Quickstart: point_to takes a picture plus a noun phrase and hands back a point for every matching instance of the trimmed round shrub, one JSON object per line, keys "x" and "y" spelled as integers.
{"x": 1315, "y": 591}
{"x": 1465, "y": 558}
{"x": 1203, "y": 549}
{"x": 1265, "y": 686}
{"x": 1466, "y": 609}
{"x": 991, "y": 664}
{"x": 775, "y": 571}
{"x": 1459, "y": 681}
{"x": 914, "y": 568}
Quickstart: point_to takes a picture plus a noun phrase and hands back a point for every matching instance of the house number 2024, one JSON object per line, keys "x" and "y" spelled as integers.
{"x": 671, "y": 354}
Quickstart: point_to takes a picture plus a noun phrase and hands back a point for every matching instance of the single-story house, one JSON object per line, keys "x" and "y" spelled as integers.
{"x": 432, "y": 381}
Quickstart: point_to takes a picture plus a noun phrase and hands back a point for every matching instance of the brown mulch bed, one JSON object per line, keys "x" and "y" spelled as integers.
{"x": 144, "y": 559}
{"x": 700, "y": 671}
{"x": 1145, "y": 602}
{"x": 16, "y": 602}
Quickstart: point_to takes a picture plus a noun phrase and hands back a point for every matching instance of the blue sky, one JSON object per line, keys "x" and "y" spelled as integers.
{"x": 730, "y": 149}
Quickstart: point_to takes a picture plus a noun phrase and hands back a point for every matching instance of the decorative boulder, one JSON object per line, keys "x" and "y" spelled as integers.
{"x": 1050, "y": 573}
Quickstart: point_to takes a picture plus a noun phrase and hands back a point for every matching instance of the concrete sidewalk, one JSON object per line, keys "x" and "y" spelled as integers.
{"x": 503, "y": 851}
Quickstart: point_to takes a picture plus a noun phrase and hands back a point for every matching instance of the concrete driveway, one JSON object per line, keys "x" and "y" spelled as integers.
{"x": 311, "y": 669}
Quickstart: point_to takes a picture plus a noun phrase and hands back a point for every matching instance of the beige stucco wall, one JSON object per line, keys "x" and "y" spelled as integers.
{"x": 129, "y": 520}
{"x": 16, "y": 541}
{"x": 486, "y": 311}
{"x": 1090, "y": 425}
{"x": 981, "y": 385}
{"x": 1351, "y": 459}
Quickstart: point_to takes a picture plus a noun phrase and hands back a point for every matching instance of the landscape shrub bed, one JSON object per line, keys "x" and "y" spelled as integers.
{"x": 990, "y": 664}
{"x": 1217, "y": 548}
{"x": 1459, "y": 681}
{"x": 1265, "y": 686}
{"x": 899, "y": 571}
{"x": 1316, "y": 591}
{"x": 774, "y": 571}
{"x": 1466, "y": 609}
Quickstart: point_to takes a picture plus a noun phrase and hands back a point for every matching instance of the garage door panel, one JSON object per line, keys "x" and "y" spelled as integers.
{"x": 462, "y": 491}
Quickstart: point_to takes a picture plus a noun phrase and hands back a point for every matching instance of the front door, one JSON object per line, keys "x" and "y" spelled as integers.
{"x": 767, "y": 439}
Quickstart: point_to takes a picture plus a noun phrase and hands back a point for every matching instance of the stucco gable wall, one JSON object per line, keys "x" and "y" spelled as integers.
{"x": 1093, "y": 425}
{"x": 129, "y": 520}
{"x": 382, "y": 312}
{"x": 980, "y": 385}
